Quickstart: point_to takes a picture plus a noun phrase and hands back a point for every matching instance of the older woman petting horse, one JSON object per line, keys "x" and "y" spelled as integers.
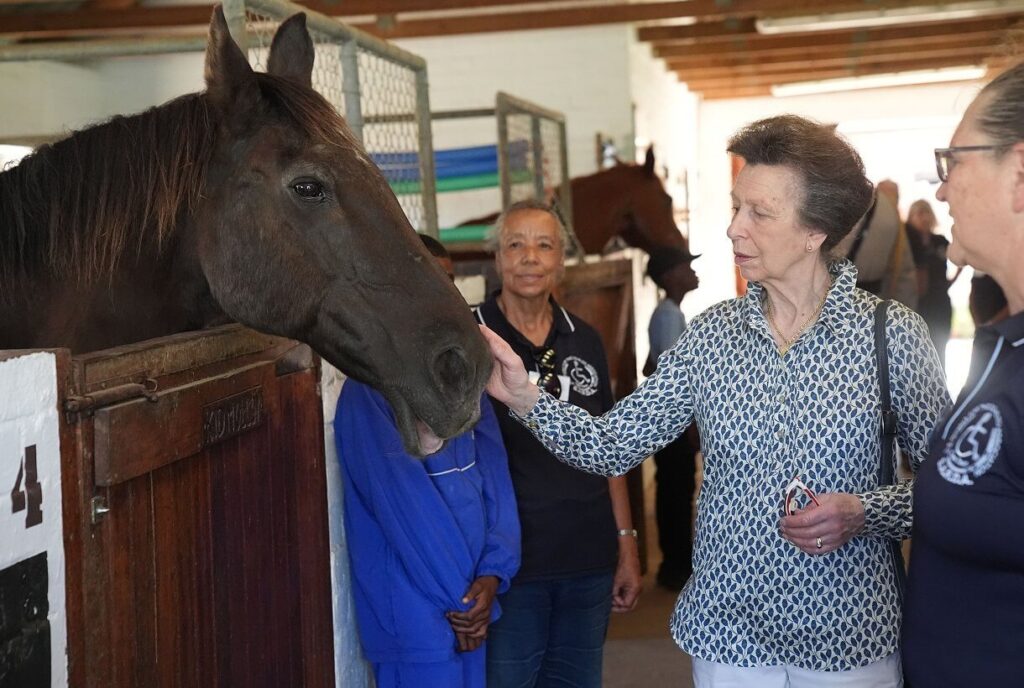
{"x": 782, "y": 384}
{"x": 965, "y": 590}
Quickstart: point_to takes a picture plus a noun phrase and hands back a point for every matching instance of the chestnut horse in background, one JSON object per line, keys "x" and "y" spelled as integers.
{"x": 253, "y": 202}
{"x": 627, "y": 201}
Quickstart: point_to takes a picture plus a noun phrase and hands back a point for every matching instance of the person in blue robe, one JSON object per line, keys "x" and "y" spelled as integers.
{"x": 431, "y": 543}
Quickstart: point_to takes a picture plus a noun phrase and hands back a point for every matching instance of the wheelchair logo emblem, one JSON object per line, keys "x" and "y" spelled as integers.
{"x": 973, "y": 445}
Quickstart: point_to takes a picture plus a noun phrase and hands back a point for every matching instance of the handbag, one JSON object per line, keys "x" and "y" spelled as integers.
{"x": 887, "y": 431}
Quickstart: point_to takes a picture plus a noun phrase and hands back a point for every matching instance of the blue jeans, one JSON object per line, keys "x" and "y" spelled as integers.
{"x": 551, "y": 633}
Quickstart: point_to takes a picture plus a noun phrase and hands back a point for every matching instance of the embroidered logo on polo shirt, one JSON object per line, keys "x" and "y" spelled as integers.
{"x": 582, "y": 375}
{"x": 973, "y": 445}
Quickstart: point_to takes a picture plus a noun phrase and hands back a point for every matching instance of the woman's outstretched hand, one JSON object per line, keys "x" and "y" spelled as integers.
{"x": 509, "y": 382}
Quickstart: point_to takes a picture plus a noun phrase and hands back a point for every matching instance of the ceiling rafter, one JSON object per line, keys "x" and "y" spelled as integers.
{"x": 811, "y": 74}
{"x": 98, "y": 21}
{"x": 971, "y": 54}
{"x": 815, "y": 40}
{"x": 828, "y": 54}
{"x": 734, "y": 31}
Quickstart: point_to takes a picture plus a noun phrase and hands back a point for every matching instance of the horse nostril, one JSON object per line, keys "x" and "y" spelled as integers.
{"x": 452, "y": 370}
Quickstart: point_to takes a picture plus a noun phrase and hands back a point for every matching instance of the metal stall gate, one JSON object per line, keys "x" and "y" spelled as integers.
{"x": 528, "y": 161}
{"x": 379, "y": 88}
{"x": 533, "y": 156}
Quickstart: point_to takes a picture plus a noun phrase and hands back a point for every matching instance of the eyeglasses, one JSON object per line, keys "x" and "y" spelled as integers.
{"x": 944, "y": 160}
{"x": 793, "y": 490}
{"x": 548, "y": 380}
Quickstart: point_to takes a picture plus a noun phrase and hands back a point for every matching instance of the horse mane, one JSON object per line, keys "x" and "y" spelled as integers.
{"x": 75, "y": 208}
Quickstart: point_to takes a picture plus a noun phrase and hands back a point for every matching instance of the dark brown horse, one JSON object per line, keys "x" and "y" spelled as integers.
{"x": 627, "y": 201}
{"x": 251, "y": 202}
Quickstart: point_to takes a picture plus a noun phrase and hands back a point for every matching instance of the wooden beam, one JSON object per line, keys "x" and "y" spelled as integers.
{"x": 833, "y": 51}
{"x": 68, "y": 23}
{"x": 685, "y": 35}
{"x": 814, "y": 40}
{"x": 977, "y": 51}
{"x": 728, "y": 94}
{"x": 77, "y": 22}
{"x": 741, "y": 81}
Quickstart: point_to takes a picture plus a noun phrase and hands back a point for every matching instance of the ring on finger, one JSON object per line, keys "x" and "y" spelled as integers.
{"x": 817, "y": 542}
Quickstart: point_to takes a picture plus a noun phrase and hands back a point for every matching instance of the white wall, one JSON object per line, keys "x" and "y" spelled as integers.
{"x": 894, "y": 129}
{"x": 583, "y": 73}
{"x": 44, "y": 100}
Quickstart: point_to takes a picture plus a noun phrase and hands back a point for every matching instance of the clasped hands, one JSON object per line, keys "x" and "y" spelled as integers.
{"x": 836, "y": 519}
{"x": 470, "y": 626}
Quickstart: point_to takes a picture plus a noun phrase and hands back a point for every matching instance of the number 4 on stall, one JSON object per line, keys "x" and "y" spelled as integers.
{"x": 31, "y": 497}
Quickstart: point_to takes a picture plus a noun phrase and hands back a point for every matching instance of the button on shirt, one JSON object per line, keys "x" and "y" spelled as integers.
{"x": 754, "y": 599}
{"x": 965, "y": 593}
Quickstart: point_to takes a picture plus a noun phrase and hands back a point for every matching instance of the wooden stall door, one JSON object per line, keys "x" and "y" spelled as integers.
{"x": 196, "y": 515}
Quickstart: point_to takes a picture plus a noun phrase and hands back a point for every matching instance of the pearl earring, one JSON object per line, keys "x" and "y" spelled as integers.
{"x": 809, "y": 248}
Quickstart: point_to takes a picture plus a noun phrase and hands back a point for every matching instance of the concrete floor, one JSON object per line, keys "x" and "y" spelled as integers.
{"x": 639, "y": 652}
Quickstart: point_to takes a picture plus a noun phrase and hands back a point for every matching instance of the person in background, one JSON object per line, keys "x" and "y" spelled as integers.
{"x": 782, "y": 383}
{"x": 431, "y": 541}
{"x": 579, "y": 549}
{"x": 440, "y": 254}
{"x": 965, "y": 588}
{"x": 929, "y": 250}
{"x": 671, "y": 270}
{"x": 879, "y": 249}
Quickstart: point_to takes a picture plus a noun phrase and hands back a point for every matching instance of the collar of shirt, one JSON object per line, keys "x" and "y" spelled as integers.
{"x": 1012, "y": 329}
{"x": 490, "y": 314}
{"x": 836, "y": 313}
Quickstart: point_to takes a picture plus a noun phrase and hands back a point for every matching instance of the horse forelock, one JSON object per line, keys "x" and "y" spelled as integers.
{"x": 74, "y": 208}
{"x": 308, "y": 111}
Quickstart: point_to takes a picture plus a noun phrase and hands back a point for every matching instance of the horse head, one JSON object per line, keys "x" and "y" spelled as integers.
{"x": 627, "y": 201}
{"x": 299, "y": 234}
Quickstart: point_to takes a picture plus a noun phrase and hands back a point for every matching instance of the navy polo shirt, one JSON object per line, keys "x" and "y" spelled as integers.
{"x": 568, "y": 528}
{"x": 964, "y": 618}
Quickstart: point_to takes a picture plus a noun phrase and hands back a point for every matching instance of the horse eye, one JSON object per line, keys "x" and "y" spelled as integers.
{"x": 309, "y": 189}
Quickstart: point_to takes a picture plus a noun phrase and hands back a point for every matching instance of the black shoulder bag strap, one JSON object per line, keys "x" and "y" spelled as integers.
{"x": 887, "y": 433}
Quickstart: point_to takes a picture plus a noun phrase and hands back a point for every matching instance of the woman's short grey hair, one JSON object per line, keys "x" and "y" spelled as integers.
{"x": 493, "y": 239}
{"x": 1002, "y": 117}
{"x": 835, "y": 191}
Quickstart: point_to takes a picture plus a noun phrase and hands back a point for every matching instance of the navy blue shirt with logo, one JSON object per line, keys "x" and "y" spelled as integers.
{"x": 964, "y": 618}
{"x": 568, "y": 528}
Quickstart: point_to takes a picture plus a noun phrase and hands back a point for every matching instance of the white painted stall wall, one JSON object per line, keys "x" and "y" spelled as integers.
{"x": 28, "y": 418}
{"x": 350, "y": 669}
{"x": 41, "y": 99}
{"x": 852, "y": 111}
{"x": 46, "y": 100}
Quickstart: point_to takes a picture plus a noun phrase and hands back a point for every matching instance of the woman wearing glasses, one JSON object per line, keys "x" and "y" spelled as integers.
{"x": 782, "y": 383}
{"x": 579, "y": 549}
{"x": 964, "y": 621}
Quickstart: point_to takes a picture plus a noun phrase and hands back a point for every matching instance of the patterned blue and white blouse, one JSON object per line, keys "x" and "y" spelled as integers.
{"x": 754, "y": 599}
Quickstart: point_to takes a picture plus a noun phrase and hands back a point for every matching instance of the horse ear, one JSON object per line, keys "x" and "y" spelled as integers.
{"x": 230, "y": 82}
{"x": 649, "y": 161}
{"x": 292, "y": 52}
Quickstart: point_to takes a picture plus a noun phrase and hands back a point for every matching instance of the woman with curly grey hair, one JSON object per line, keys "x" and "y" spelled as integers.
{"x": 965, "y": 594}
{"x": 794, "y": 580}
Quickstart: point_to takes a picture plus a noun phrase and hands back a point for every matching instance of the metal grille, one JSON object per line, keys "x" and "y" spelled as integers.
{"x": 379, "y": 89}
{"x": 533, "y": 157}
